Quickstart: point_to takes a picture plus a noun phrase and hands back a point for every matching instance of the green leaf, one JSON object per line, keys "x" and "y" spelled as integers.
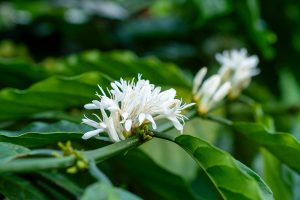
{"x": 273, "y": 174}
{"x": 232, "y": 179}
{"x": 272, "y": 168}
{"x": 102, "y": 191}
{"x": 52, "y": 191}
{"x": 249, "y": 13}
{"x": 55, "y": 93}
{"x": 17, "y": 188}
{"x": 124, "y": 194}
{"x": 19, "y": 73}
{"x": 212, "y": 8}
{"x": 63, "y": 182}
{"x": 99, "y": 191}
{"x": 148, "y": 179}
{"x": 289, "y": 87}
{"x": 118, "y": 64}
{"x": 40, "y": 134}
{"x": 282, "y": 145}
{"x": 10, "y": 151}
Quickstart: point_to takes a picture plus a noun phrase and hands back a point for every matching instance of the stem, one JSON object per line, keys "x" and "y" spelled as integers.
{"x": 220, "y": 120}
{"x": 97, "y": 173}
{"x": 169, "y": 126}
{"x": 111, "y": 150}
{"x": 163, "y": 135}
{"x": 37, "y": 164}
{"x": 162, "y": 131}
{"x": 247, "y": 100}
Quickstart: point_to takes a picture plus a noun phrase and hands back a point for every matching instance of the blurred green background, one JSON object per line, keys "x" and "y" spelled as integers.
{"x": 185, "y": 32}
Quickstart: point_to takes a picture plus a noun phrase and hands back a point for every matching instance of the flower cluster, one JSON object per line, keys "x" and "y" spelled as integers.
{"x": 210, "y": 92}
{"x": 234, "y": 75}
{"x": 130, "y": 104}
{"x": 237, "y": 68}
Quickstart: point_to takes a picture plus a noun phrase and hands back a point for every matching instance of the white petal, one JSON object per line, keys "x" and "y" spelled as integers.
{"x": 198, "y": 79}
{"x": 90, "y": 106}
{"x": 176, "y": 123}
{"x": 90, "y": 134}
{"x": 168, "y": 94}
{"x": 142, "y": 117}
{"x": 222, "y": 92}
{"x": 124, "y": 116}
{"x": 109, "y": 104}
{"x": 91, "y": 123}
{"x": 209, "y": 87}
{"x": 150, "y": 119}
{"x": 96, "y": 103}
{"x": 156, "y": 91}
{"x": 103, "y": 125}
{"x": 254, "y": 72}
{"x": 111, "y": 130}
{"x": 128, "y": 125}
{"x": 184, "y": 106}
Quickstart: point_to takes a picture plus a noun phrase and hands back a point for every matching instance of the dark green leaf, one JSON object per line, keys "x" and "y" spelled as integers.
{"x": 119, "y": 64}
{"x": 39, "y": 134}
{"x": 19, "y": 73}
{"x": 63, "y": 182}
{"x": 212, "y": 8}
{"x": 249, "y": 13}
{"x": 282, "y": 145}
{"x": 148, "y": 179}
{"x": 16, "y": 188}
{"x": 51, "y": 94}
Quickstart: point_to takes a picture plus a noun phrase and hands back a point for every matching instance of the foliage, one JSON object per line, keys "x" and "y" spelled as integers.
{"x": 54, "y": 54}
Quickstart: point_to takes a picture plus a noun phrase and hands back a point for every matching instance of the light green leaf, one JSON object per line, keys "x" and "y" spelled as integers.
{"x": 232, "y": 179}
{"x": 126, "y": 195}
{"x": 99, "y": 191}
{"x": 102, "y": 191}
{"x": 273, "y": 174}
{"x": 282, "y": 145}
{"x": 272, "y": 167}
{"x": 10, "y": 151}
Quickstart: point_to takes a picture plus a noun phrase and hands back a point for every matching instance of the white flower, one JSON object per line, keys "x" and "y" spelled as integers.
{"x": 238, "y": 68}
{"x": 210, "y": 92}
{"x": 128, "y": 105}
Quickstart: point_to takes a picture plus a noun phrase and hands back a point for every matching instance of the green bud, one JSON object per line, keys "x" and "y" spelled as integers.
{"x": 81, "y": 164}
{"x": 72, "y": 170}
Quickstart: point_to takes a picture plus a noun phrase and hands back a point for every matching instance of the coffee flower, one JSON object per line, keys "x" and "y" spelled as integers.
{"x": 129, "y": 105}
{"x": 208, "y": 93}
{"x": 238, "y": 68}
